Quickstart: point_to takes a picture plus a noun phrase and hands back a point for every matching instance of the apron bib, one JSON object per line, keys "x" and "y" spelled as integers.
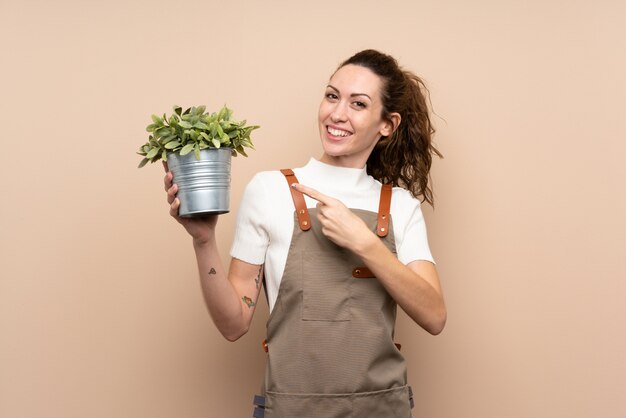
{"x": 330, "y": 334}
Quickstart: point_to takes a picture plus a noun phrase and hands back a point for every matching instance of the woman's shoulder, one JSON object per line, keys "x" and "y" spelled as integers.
{"x": 275, "y": 178}
{"x": 269, "y": 177}
{"x": 403, "y": 203}
{"x": 404, "y": 197}
{"x": 266, "y": 193}
{"x": 268, "y": 186}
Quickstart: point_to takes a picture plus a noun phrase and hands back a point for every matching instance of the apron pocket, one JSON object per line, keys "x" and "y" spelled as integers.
{"x": 391, "y": 403}
{"x": 325, "y": 287}
{"x": 286, "y": 405}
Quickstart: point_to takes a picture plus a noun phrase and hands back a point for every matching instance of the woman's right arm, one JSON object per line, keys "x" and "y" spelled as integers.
{"x": 230, "y": 296}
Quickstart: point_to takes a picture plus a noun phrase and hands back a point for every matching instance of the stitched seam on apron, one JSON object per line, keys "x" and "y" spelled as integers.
{"x": 337, "y": 395}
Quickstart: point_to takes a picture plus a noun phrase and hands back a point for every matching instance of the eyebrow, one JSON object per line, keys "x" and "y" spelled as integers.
{"x": 352, "y": 95}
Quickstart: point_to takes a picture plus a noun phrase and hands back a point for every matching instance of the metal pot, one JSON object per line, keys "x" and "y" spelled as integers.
{"x": 204, "y": 184}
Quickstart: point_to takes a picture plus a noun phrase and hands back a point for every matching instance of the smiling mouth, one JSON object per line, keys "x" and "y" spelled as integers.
{"x": 338, "y": 132}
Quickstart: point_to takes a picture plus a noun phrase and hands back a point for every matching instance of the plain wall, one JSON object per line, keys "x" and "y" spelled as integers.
{"x": 101, "y": 313}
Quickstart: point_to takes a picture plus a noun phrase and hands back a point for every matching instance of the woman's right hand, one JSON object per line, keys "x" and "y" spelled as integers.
{"x": 201, "y": 228}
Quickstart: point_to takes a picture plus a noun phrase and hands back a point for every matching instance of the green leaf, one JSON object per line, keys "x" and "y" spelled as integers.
{"x": 185, "y": 124}
{"x": 152, "y": 153}
{"x": 205, "y": 136}
{"x": 151, "y": 127}
{"x": 200, "y": 110}
{"x": 178, "y": 110}
{"x": 143, "y": 162}
{"x": 216, "y": 143}
{"x": 164, "y": 155}
{"x": 157, "y": 120}
{"x": 227, "y": 113}
{"x": 197, "y": 151}
{"x": 241, "y": 151}
{"x": 200, "y": 125}
{"x": 186, "y": 149}
{"x": 167, "y": 139}
{"x": 172, "y": 145}
{"x": 161, "y": 132}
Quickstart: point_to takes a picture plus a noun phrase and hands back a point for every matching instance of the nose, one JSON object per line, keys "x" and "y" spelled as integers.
{"x": 339, "y": 113}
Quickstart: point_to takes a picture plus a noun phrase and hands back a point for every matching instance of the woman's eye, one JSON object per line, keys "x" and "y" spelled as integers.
{"x": 331, "y": 96}
{"x": 359, "y": 104}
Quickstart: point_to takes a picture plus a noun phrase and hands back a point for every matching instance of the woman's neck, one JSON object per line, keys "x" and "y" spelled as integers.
{"x": 338, "y": 177}
{"x": 345, "y": 161}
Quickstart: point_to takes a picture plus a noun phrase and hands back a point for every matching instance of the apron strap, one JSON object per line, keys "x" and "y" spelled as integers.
{"x": 384, "y": 207}
{"x": 382, "y": 227}
{"x": 304, "y": 221}
{"x": 298, "y": 200}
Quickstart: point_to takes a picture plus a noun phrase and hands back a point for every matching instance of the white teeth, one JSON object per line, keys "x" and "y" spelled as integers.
{"x": 338, "y": 132}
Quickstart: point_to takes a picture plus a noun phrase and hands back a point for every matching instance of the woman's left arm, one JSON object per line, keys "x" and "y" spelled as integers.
{"x": 415, "y": 287}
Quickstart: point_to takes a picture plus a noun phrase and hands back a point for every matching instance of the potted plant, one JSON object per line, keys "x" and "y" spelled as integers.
{"x": 198, "y": 147}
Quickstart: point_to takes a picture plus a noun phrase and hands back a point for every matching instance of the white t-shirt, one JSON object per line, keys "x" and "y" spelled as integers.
{"x": 265, "y": 219}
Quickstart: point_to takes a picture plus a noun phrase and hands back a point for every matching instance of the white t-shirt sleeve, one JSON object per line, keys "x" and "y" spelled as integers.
{"x": 414, "y": 245}
{"x": 252, "y": 230}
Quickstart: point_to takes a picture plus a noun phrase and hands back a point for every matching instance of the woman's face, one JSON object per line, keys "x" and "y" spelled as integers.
{"x": 350, "y": 117}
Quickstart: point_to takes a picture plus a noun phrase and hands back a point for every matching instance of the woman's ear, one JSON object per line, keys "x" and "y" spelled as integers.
{"x": 391, "y": 124}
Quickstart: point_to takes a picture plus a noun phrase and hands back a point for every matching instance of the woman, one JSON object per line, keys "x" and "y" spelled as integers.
{"x": 334, "y": 275}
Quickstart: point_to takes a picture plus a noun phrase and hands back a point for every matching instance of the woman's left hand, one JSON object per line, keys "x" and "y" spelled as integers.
{"x": 338, "y": 222}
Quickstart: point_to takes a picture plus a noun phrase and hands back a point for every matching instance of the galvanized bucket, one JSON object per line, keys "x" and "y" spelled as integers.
{"x": 204, "y": 184}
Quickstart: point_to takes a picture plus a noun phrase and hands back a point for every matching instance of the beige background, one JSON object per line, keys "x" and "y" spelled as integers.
{"x": 100, "y": 309}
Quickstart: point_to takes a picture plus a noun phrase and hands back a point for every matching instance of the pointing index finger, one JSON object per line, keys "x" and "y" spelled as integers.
{"x": 312, "y": 193}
